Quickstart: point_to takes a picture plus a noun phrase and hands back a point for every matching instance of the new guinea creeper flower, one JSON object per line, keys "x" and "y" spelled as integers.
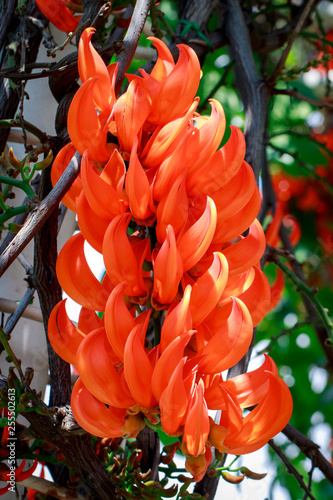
{"x": 59, "y": 14}
{"x": 167, "y": 207}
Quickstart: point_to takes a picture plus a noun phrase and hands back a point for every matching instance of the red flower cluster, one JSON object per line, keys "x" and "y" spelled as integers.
{"x": 183, "y": 288}
{"x": 59, "y": 14}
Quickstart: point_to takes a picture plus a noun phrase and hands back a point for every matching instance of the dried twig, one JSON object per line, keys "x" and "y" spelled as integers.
{"x": 291, "y": 40}
{"x": 297, "y": 95}
{"x": 131, "y": 39}
{"x": 50, "y": 489}
{"x": 291, "y": 469}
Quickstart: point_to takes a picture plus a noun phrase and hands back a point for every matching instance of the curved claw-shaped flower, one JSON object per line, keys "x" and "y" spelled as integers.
{"x": 248, "y": 388}
{"x": 171, "y": 86}
{"x": 230, "y": 228}
{"x": 123, "y": 261}
{"x": 196, "y": 429}
{"x": 168, "y": 270}
{"x": 177, "y": 320}
{"x": 64, "y": 337}
{"x": 96, "y": 364}
{"x": 166, "y": 138}
{"x": 86, "y": 129}
{"x": 236, "y": 194}
{"x": 232, "y": 330}
{"x": 208, "y": 289}
{"x": 90, "y": 64}
{"x": 93, "y": 227}
{"x": 104, "y": 191}
{"x": 223, "y": 166}
{"x": 168, "y": 362}
{"x": 137, "y": 188}
{"x": 173, "y": 209}
{"x": 277, "y": 289}
{"x": 77, "y": 279}
{"x": 59, "y": 14}
{"x": 194, "y": 241}
{"x": 138, "y": 368}
{"x": 267, "y": 419}
{"x": 86, "y": 408}
{"x": 248, "y": 251}
{"x": 130, "y": 113}
{"x": 59, "y": 165}
{"x": 256, "y": 295}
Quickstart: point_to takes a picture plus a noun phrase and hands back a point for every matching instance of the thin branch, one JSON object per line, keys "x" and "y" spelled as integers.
{"x": 291, "y": 469}
{"x": 50, "y": 489}
{"x": 290, "y": 43}
{"x": 37, "y": 218}
{"x": 131, "y": 39}
{"x": 31, "y": 312}
{"x": 14, "y": 318}
{"x": 310, "y": 449}
{"x": 309, "y": 292}
{"x": 297, "y": 95}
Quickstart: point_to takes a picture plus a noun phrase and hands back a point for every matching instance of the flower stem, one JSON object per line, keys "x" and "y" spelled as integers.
{"x": 19, "y": 184}
{"x": 310, "y": 293}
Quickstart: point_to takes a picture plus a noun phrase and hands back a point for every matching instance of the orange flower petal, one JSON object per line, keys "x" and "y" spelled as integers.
{"x": 59, "y": 15}
{"x": 76, "y": 278}
{"x": 173, "y": 401}
{"x": 93, "y": 415}
{"x": 84, "y": 126}
{"x": 96, "y": 363}
{"x": 130, "y": 113}
{"x": 90, "y": 64}
{"x": 168, "y": 362}
{"x": 232, "y": 335}
{"x": 64, "y": 337}
{"x": 59, "y": 165}
{"x": 246, "y": 252}
{"x": 122, "y": 261}
{"x": 257, "y": 296}
{"x": 138, "y": 369}
{"x": 118, "y": 320}
{"x": 137, "y": 188}
{"x": 197, "y": 426}
{"x": 92, "y": 226}
{"x": 168, "y": 270}
{"x": 104, "y": 197}
{"x": 268, "y": 418}
{"x": 208, "y": 289}
{"x": 177, "y": 321}
{"x": 173, "y": 209}
{"x": 223, "y": 165}
{"x": 193, "y": 243}
{"x": 234, "y": 195}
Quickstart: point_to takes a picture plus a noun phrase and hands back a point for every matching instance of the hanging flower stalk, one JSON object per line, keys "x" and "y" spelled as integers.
{"x": 166, "y": 207}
